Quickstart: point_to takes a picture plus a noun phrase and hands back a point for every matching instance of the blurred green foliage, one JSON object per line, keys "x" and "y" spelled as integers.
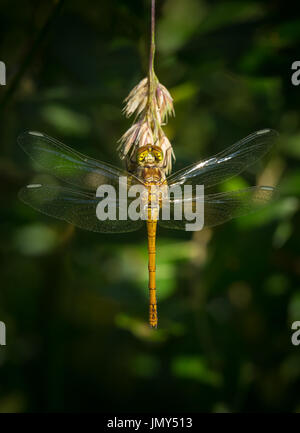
{"x": 75, "y": 303}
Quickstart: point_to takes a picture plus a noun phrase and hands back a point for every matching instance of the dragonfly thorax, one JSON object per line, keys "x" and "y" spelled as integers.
{"x": 150, "y": 174}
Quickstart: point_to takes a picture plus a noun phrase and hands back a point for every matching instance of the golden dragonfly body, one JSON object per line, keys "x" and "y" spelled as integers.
{"x": 150, "y": 170}
{"x": 77, "y": 204}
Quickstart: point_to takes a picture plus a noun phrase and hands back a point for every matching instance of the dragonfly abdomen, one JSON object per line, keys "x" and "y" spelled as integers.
{"x": 151, "y": 229}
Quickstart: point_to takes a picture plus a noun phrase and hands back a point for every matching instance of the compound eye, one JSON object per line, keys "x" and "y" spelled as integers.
{"x": 141, "y": 156}
{"x": 158, "y": 155}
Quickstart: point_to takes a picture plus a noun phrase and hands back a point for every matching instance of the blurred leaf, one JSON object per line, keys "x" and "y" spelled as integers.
{"x": 66, "y": 121}
{"x": 225, "y": 13}
{"x": 35, "y": 239}
{"x": 282, "y": 234}
{"x": 179, "y": 22}
{"x": 290, "y": 184}
{"x": 195, "y": 367}
{"x": 290, "y": 145}
{"x": 184, "y": 92}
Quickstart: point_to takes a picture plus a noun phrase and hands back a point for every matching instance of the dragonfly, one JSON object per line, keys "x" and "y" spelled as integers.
{"x": 75, "y": 201}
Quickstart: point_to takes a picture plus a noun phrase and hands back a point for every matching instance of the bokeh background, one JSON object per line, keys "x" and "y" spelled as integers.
{"x": 75, "y": 303}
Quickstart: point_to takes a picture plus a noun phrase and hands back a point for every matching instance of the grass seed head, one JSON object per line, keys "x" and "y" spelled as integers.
{"x": 152, "y": 105}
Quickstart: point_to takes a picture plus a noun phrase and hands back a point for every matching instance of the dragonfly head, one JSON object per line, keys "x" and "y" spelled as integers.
{"x": 149, "y": 155}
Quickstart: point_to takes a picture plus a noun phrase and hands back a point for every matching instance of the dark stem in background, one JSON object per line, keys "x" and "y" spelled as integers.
{"x": 30, "y": 54}
{"x": 152, "y": 40}
{"x": 151, "y": 75}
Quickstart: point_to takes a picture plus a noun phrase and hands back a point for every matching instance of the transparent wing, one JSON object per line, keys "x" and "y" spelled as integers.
{"x": 71, "y": 166}
{"x": 75, "y": 207}
{"x": 228, "y": 163}
{"x": 221, "y": 207}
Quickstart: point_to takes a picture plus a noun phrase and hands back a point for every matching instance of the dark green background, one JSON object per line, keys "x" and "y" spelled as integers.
{"x": 75, "y": 303}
